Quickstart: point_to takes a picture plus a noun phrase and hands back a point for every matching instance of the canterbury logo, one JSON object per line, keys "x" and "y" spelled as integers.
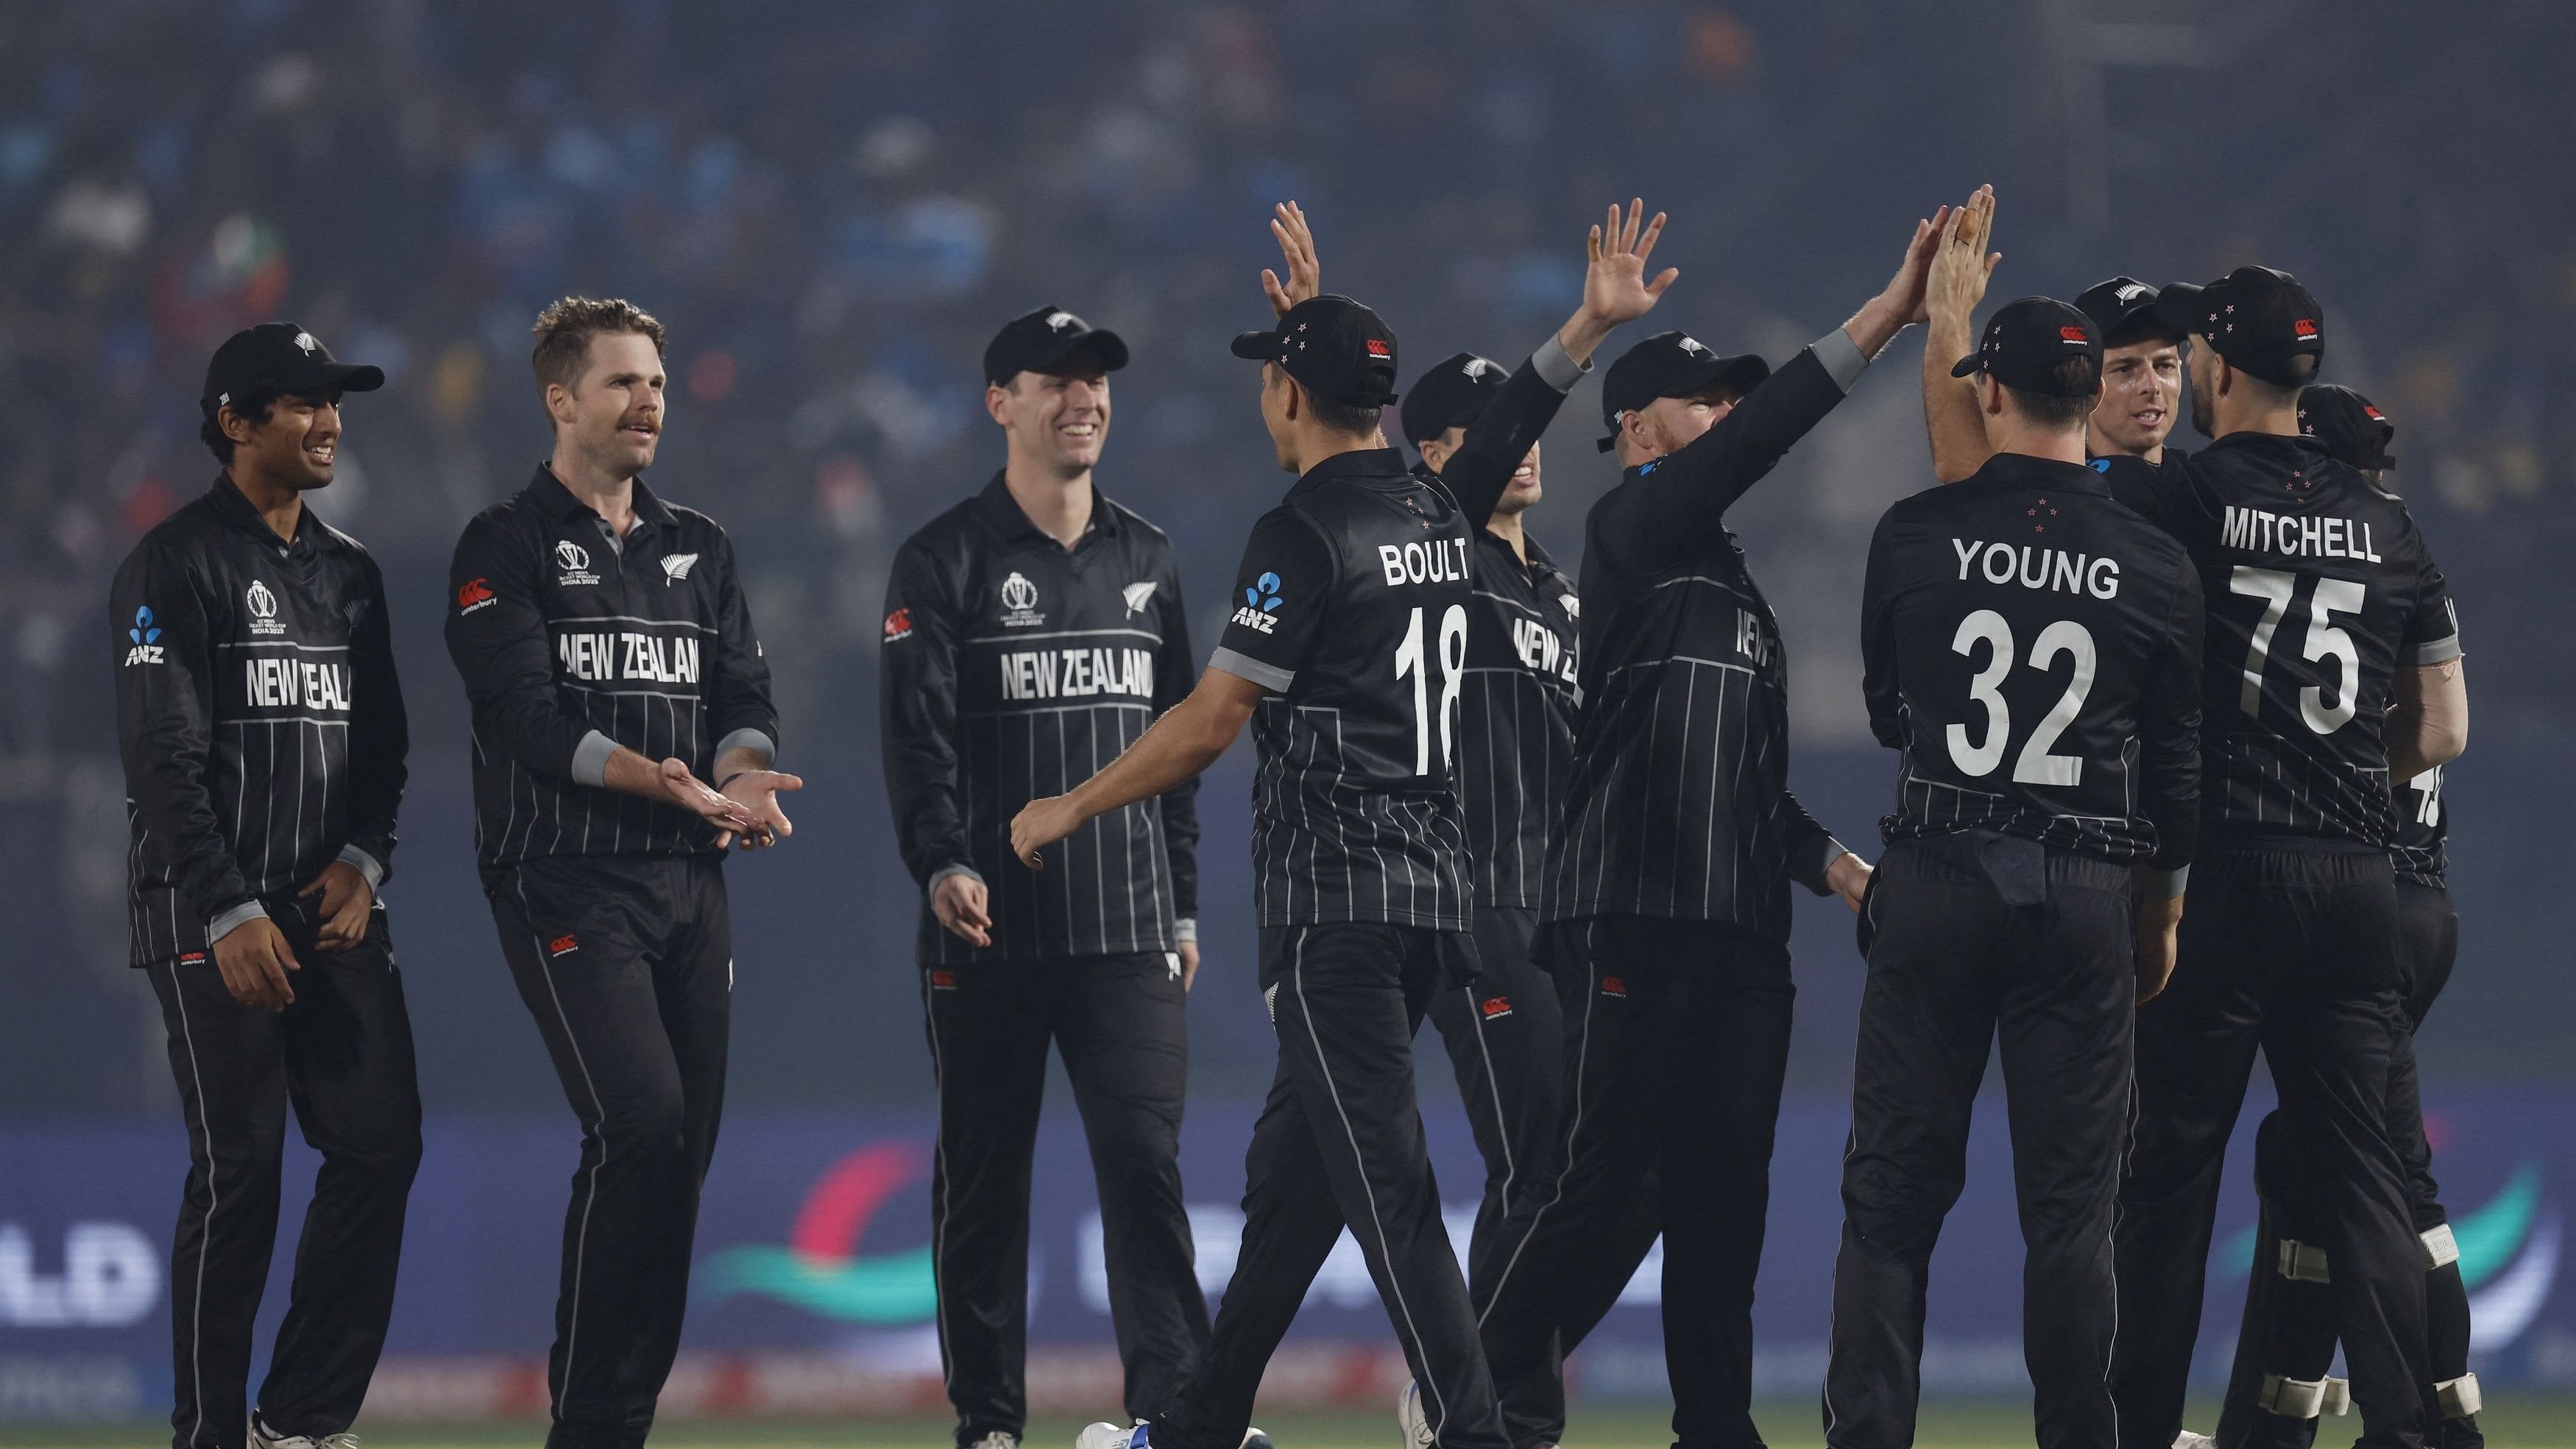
{"x": 677, "y": 566}
{"x": 563, "y": 945}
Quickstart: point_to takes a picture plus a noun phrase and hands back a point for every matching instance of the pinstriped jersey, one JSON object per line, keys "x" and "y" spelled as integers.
{"x": 1516, "y": 711}
{"x": 1351, "y": 610}
{"x": 2032, "y": 649}
{"x": 562, "y": 631}
{"x": 258, "y": 715}
{"x": 2318, "y": 589}
{"x": 2422, "y": 852}
{"x": 1680, "y": 803}
{"x": 1013, "y": 668}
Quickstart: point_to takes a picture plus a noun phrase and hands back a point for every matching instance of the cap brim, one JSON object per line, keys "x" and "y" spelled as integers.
{"x": 1966, "y": 365}
{"x": 1739, "y": 375}
{"x": 2179, "y": 306}
{"x": 335, "y": 377}
{"x": 1257, "y": 346}
{"x": 1107, "y": 349}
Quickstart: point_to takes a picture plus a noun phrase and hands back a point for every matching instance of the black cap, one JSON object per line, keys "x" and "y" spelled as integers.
{"x": 1339, "y": 350}
{"x": 2257, "y": 318}
{"x": 1671, "y": 364}
{"x": 2354, "y": 432}
{"x": 2027, "y": 341}
{"x": 1049, "y": 339}
{"x": 280, "y": 358}
{"x": 1451, "y": 395}
{"x": 2123, "y": 310}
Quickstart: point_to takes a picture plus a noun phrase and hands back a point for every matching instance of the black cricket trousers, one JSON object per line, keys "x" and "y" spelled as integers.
{"x": 2292, "y": 948}
{"x": 1676, "y": 1041}
{"x": 341, "y": 1053}
{"x": 2289, "y": 1324}
{"x": 1121, "y": 1023}
{"x": 1953, "y": 969}
{"x": 1339, "y": 1144}
{"x": 627, "y": 965}
{"x": 1505, "y": 1036}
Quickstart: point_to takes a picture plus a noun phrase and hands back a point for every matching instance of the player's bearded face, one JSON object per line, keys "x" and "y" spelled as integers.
{"x": 299, "y": 445}
{"x": 1674, "y": 423}
{"x": 2204, "y": 391}
{"x": 2141, "y": 381}
{"x": 616, "y": 408}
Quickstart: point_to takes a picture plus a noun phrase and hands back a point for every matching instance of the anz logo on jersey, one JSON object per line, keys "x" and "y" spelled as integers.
{"x": 1260, "y": 611}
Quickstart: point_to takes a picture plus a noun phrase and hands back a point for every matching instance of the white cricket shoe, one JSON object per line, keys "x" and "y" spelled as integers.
{"x": 1111, "y": 1436}
{"x": 262, "y": 1437}
{"x": 1410, "y": 1421}
{"x": 1253, "y": 1438}
{"x": 2189, "y": 1440}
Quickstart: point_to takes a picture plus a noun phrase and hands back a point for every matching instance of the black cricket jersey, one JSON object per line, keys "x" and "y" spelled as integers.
{"x": 1014, "y": 668}
{"x": 573, "y": 642}
{"x": 2317, "y": 588}
{"x": 2031, "y": 647}
{"x": 1517, "y": 702}
{"x": 258, "y": 715}
{"x": 1351, "y": 610}
{"x": 1680, "y": 802}
{"x": 2422, "y": 852}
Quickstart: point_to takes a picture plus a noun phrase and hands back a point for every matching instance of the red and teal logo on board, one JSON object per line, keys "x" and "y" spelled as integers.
{"x": 819, "y": 1268}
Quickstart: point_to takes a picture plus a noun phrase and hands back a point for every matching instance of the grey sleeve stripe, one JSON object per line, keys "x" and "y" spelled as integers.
{"x": 590, "y": 758}
{"x": 1556, "y": 367}
{"x": 367, "y": 865}
{"x": 753, "y": 740}
{"x": 2164, "y": 885}
{"x": 2436, "y": 651}
{"x": 1243, "y": 666}
{"x": 945, "y": 871}
{"x": 1841, "y": 356}
{"x": 225, "y": 924}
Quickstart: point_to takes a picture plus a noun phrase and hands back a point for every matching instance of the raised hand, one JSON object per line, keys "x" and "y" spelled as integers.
{"x": 1615, "y": 288}
{"x": 1297, "y": 245}
{"x": 1960, "y": 263}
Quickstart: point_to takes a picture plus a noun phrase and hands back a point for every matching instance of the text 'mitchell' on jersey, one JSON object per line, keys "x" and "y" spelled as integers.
{"x": 1014, "y": 667}
{"x": 2033, "y": 650}
{"x": 259, "y": 718}
{"x": 1350, "y": 609}
{"x": 2318, "y": 589}
{"x": 573, "y": 641}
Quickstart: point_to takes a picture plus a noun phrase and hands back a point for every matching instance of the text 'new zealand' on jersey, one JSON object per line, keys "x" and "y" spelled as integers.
{"x": 563, "y": 633}
{"x": 258, "y": 715}
{"x": 1351, "y": 610}
{"x": 2318, "y": 589}
{"x": 1013, "y": 668}
{"x": 2033, "y": 649}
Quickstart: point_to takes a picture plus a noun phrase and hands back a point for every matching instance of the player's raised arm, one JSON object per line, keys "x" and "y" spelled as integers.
{"x": 1616, "y": 289}
{"x": 1956, "y": 283}
{"x": 1681, "y": 493}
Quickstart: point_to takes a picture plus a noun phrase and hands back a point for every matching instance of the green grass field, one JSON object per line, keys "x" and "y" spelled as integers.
{"x": 2510, "y": 1424}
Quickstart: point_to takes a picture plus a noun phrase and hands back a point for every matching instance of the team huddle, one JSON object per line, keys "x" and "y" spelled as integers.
{"x": 1547, "y": 808}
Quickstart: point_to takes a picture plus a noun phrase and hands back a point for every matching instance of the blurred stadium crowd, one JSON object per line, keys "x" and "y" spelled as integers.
{"x": 832, "y": 206}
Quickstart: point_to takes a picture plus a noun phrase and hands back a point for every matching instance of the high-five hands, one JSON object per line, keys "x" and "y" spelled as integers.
{"x": 1297, "y": 246}
{"x": 1961, "y": 264}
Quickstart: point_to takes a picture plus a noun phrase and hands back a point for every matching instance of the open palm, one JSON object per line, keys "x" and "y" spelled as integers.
{"x": 1615, "y": 288}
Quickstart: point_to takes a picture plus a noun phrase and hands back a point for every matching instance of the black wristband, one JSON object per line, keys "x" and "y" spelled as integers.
{"x": 729, "y": 779}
